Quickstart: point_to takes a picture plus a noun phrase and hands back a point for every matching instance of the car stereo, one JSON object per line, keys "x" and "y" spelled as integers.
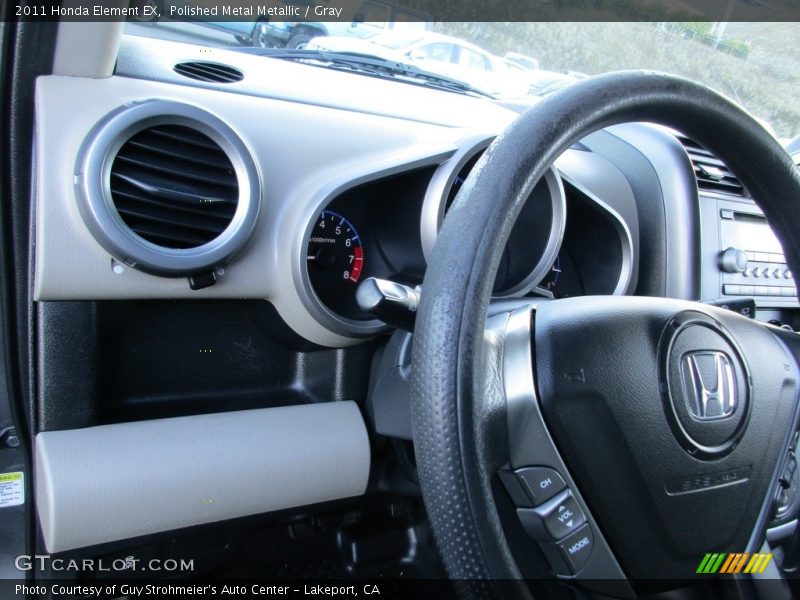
{"x": 747, "y": 258}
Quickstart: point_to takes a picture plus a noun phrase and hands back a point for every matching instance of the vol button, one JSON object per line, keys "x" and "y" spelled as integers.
{"x": 553, "y": 520}
{"x": 564, "y": 518}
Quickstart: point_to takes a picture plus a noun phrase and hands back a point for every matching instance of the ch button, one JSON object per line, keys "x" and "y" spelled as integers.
{"x": 541, "y": 483}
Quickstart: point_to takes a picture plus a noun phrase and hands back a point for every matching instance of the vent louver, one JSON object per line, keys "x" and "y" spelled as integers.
{"x": 712, "y": 174}
{"x": 209, "y": 72}
{"x": 168, "y": 189}
{"x": 174, "y": 186}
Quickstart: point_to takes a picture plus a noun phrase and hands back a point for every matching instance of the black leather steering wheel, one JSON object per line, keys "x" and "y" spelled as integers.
{"x": 615, "y": 396}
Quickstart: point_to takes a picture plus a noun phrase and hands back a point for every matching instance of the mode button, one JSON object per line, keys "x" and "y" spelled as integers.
{"x": 576, "y": 548}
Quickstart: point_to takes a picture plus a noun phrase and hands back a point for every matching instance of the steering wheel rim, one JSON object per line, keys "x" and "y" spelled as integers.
{"x": 459, "y": 426}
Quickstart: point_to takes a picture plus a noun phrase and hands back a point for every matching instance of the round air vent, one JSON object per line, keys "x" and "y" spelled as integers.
{"x": 167, "y": 188}
{"x": 209, "y": 71}
{"x": 174, "y": 186}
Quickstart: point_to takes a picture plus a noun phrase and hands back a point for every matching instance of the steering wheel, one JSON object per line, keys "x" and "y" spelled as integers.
{"x": 611, "y": 440}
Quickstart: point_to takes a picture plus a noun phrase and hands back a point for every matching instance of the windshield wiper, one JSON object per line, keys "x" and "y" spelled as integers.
{"x": 372, "y": 66}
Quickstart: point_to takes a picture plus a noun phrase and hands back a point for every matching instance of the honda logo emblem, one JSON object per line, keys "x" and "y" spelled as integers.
{"x": 710, "y": 384}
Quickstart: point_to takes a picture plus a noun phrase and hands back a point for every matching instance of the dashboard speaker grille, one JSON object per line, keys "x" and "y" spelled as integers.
{"x": 208, "y": 71}
{"x": 712, "y": 174}
{"x": 174, "y": 186}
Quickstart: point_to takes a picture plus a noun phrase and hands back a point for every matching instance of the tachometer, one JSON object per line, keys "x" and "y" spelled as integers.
{"x": 335, "y": 257}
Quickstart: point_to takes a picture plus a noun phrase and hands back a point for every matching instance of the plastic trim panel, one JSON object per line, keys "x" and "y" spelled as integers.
{"x": 115, "y": 482}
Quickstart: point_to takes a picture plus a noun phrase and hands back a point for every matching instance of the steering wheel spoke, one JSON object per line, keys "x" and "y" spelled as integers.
{"x": 549, "y": 505}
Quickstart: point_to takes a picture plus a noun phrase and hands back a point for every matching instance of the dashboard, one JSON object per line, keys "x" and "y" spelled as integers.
{"x": 202, "y": 221}
{"x": 162, "y": 186}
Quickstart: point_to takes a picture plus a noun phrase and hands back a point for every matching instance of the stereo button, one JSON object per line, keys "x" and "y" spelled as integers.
{"x": 541, "y": 483}
{"x": 577, "y": 547}
{"x": 554, "y": 520}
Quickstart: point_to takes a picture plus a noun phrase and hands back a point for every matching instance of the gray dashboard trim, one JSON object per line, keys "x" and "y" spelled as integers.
{"x": 115, "y": 482}
{"x": 307, "y": 155}
{"x": 303, "y": 151}
{"x": 74, "y": 37}
{"x": 143, "y": 58}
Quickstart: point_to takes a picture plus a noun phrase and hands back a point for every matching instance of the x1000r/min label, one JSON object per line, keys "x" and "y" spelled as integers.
{"x": 12, "y": 489}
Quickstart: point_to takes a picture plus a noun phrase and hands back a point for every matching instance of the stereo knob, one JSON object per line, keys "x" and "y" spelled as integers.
{"x": 733, "y": 260}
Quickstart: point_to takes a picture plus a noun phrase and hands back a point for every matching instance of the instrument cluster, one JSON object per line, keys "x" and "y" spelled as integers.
{"x": 564, "y": 242}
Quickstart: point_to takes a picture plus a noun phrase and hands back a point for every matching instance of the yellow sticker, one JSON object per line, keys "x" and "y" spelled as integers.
{"x": 12, "y": 489}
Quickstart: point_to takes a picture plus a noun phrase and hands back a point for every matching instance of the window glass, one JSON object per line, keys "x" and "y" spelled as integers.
{"x": 440, "y": 51}
{"x": 754, "y": 64}
{"x": 472, "y": 60}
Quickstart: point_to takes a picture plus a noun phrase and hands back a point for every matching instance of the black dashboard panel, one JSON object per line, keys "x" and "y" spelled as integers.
{"x": 111, "y": 362}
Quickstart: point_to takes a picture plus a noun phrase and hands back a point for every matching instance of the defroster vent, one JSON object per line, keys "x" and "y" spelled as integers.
{"x": 208, "y": 71}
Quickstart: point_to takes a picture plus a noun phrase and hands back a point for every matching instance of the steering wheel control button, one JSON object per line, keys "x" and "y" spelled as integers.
{"x": 541, "y": 483}
{"x": 554, "y": 520}
{"x": 514, "y": 488}
{"x": 576, "y": 548}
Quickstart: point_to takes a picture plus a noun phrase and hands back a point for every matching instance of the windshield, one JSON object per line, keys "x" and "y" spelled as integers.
{"x": 397, "y": 39}
{"x": 755, "y": 64}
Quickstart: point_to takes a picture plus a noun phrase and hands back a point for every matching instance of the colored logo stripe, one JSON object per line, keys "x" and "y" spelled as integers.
{"x": 734, "y": 562}
{"x": 711, "y": 563}
{"x": 730, "y": 563}
{"x": 758, "y": 563}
